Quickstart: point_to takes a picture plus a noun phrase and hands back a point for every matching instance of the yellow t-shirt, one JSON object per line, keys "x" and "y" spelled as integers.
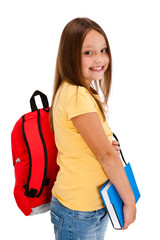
{"x": 81, "y": 175}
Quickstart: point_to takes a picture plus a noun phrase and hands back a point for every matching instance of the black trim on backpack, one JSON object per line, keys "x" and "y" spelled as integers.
{"x": 32, "y": 193}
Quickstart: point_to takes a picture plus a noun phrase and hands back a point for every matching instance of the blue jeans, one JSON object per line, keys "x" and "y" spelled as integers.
{"x": 76, "y": 225}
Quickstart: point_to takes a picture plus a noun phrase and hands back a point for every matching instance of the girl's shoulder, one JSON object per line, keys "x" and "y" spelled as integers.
{"x": 81, "y": 89}
{"x": 71, "y": 90}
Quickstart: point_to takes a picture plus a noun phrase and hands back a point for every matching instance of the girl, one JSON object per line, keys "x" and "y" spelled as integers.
{"x": 86, "y": 155}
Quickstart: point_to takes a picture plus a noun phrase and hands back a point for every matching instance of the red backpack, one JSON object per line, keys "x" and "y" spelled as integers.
{"x": 34, "y": 158}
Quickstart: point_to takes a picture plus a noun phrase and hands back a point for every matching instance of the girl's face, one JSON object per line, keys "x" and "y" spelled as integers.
{"x": 95, "y": 59}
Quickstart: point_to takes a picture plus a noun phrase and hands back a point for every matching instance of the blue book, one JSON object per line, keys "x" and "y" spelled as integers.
{"x": 112, "y": 200}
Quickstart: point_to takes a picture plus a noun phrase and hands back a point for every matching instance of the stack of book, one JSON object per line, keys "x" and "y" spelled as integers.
{"x": 112, "y": 200}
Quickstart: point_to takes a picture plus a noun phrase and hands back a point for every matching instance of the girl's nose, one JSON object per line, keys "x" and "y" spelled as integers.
{"x": 98, "y": 59}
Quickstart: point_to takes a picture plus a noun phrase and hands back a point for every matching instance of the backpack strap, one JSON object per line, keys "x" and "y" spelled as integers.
{"x": 114, "y": 135}
{"x": 43, "y": 99}
{"x": 37, "y": 151}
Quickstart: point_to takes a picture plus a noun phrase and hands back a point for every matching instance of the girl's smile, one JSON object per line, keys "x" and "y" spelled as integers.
{"x": 97, "y": 68}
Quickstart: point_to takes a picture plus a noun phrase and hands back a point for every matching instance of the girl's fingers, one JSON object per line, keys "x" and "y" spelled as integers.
{"x": 117, "y": 148}
{"x": 115, "y": 143}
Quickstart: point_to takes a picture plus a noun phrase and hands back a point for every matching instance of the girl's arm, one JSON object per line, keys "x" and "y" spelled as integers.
{"x": 90, "y": 128}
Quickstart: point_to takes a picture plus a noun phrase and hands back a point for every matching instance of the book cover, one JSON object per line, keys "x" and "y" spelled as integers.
{"x": 112, "y": 200}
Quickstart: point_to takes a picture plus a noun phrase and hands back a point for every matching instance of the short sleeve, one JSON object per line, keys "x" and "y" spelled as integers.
{"x": 79, "y": 103}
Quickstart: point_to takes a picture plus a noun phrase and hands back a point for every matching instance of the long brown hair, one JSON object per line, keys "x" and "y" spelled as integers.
{"x": 68, "y": 65}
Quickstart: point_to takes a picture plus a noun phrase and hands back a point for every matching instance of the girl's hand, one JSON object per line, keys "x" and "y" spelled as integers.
{"x": 129, "y": 212}
{"x": 115, "y": 145}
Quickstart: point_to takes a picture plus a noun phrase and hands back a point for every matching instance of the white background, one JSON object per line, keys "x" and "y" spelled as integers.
{"x": 30, "y": 32}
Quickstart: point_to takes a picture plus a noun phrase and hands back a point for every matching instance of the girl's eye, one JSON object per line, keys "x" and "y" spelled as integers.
{"x": 88, "y": 53}
{"x": 104, "y": 50}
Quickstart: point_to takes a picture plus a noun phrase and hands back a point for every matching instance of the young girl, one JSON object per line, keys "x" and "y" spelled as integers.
{"x": 87, "y": 157}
